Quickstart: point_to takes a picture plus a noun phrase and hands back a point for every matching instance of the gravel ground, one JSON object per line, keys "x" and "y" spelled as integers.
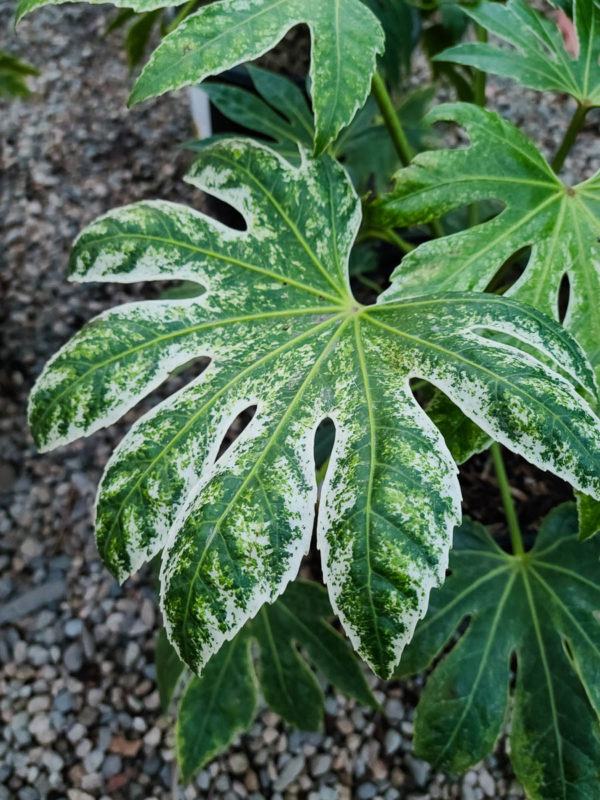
{"x": 78, "y": 699}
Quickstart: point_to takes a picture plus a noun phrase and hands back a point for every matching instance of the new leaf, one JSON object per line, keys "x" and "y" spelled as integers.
{"x": 543, "y": 608}
{"x": 561, "y": 224}
{"x": 284, "y": 333}
{"x": 539, "y": 58}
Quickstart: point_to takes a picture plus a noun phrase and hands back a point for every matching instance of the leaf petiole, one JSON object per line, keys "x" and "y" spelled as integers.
{"x": 397, "y": 134}
{"x": 516, "y": 538}
{"x": 391, "y": 119}
{"x": 387, "y": 235}
{"x": 571, "y": 133}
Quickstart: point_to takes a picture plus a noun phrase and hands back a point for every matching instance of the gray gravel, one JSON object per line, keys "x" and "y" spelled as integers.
{"x": 78, "y": 699}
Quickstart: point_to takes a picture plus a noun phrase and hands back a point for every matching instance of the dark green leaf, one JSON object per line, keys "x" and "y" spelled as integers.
{"x": 298, "y": 619}
{"x": 216, "y": 706}
{"x": 13, "y": 73}
{"x": 138, "y": 36}
{"x": 541, "y": 607}
{"x": 463, "y": 438}
{"x": 221, "y": 701}
{"x": 400, "y": 23}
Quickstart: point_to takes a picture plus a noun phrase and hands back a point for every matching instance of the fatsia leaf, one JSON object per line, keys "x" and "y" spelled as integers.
{"x": 139, "y": 34}
{"x": 13, "y": 75}
{"x": 284, "y": 333}
{"x": 229, "y": 32}
{"x": 538, "y": 57}
{"x": 281, "y": 114}
{"x": 217, "y": 706}
{"x": 400, "y": 22}
{"x": 543, "y": 608}
{"x": 561, "y": 224}
{"x": 222, "y": 701}
{"x": 588, "y": 513}
{"x": 25, "y": 7}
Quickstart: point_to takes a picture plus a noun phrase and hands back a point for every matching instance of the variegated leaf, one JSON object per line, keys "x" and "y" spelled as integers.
{"x": 284, "y": 333}
{"x": 561, "y": 224}
{"x": 538, "y": 56}
{"x": 346, "y": 39}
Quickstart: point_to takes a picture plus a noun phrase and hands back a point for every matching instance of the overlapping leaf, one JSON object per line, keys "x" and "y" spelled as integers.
{"x": 542, "y": 607}
{"x": 346, "y": 38}
{"x": 222, "y": 701}
{"x": 561, "y": 224}
{"x": 401, "y": 23}
{"x": 539, "y": 58}
{"x": 281, "y": 114}
{"x": 284, "y": 333}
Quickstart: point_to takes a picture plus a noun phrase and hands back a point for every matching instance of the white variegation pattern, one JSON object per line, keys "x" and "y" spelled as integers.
{"x": 561, "y": 224}
{"x": 283, "y": 332}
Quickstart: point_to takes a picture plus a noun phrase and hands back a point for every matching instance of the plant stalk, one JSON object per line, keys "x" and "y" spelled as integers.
{"x": 516, "y": 538}
{"x": 396, "y": 132}
{"x": 571, "y": 133}
{"x": 479, "y": 78}
{"x": 391, "y": 119}
{"x": 389, "y": 236}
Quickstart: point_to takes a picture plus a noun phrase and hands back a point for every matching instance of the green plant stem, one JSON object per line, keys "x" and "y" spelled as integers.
{"x": 509, "y": 507}
{"x": 479, "y": 78}
{"x": 386, "y": 235}
{"x": 391, "y": 119}
{"x": 567, "y": 143}
{"x": 396, "y": 132}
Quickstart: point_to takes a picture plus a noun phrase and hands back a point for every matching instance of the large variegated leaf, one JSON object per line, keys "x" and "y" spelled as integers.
{"x": 220, "y": 703}
{"x": 561, "y": 224}
{"x": 543, "y": 607}
{"x": 346, "y": 38}
{"x": 284, "y": 333}
{"x": 538, "y": 57}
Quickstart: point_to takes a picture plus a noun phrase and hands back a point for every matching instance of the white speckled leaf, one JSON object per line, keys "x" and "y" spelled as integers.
{"x": 538, "y": 57}
{"x": 560, "y": 224}
{"x": 24, "y": 7}
{"x": 346, "y": 39}
{"x": 283, "y": 333}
